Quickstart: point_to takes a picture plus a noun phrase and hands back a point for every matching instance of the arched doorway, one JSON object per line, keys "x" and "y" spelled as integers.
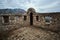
{"x": 31, "y": 18}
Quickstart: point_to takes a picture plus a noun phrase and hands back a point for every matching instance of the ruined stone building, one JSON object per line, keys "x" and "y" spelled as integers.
{"x": 32, "y": 18}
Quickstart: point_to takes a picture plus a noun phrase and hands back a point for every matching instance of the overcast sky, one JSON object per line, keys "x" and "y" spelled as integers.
{"x": 38, "y": 5}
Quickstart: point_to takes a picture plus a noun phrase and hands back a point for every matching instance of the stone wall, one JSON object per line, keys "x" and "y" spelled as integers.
{"x": 55, "y": 21}
{"x": 19, "y": 19}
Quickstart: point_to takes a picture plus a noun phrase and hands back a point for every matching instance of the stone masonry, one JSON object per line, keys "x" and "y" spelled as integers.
{"x": 31, "y": 17}
{"x": 30, "y": 26}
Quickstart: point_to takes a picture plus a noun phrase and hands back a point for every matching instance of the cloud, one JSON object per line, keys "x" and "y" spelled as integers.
{"x": 49, "y": 6}
{"x": 39, "y": 5}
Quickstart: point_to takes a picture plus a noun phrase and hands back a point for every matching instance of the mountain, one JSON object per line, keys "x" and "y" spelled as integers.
{"x": 14, "y": 11}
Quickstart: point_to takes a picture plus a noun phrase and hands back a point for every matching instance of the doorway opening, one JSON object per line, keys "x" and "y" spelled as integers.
{"x": 6, "y": 19}
{"x": 31, "y": 18}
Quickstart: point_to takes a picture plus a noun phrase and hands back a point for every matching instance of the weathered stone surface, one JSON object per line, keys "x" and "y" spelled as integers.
{"x": 19, "y": 19}
{"x": 31, "y": 33}
{"x": 15, "y": 29}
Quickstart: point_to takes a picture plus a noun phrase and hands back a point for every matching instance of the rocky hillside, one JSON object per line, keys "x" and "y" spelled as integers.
{"x": 15, "y": 11}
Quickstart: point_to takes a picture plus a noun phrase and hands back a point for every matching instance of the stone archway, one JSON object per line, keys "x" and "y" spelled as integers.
{"x": 31, "y": 18}
{"x": 31, "y": 12}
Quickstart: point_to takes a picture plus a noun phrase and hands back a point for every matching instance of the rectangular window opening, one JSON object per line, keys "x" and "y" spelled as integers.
{"x": 25, "y": 17}
{"x": 37, "y": 18}
{"x": 6, "y": 19}
{"x": 48, "y": 19}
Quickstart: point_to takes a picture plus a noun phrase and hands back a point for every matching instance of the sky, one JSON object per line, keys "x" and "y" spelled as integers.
{"x": 38, "y": 5}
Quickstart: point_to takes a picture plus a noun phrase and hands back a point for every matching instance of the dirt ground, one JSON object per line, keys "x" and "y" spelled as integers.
{"x": 27, "y": 33}
{"x": 32, "y": 33}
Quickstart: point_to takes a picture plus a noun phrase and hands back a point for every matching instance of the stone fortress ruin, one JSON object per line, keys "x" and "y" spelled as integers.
{"x": 32, "y": 18}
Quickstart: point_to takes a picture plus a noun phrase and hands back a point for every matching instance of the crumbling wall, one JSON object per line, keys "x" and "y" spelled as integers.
{"x": 38, "y": 22}
{"x": 54, "y": 25}
{"x": 27, "y": 21}
{"x": 55, "y": 22}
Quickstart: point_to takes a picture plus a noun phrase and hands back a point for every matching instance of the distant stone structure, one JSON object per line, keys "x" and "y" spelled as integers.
{"x": 32, "y": 18}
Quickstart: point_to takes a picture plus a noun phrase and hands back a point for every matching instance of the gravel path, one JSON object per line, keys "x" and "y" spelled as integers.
{"x": 32, "y": 33}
